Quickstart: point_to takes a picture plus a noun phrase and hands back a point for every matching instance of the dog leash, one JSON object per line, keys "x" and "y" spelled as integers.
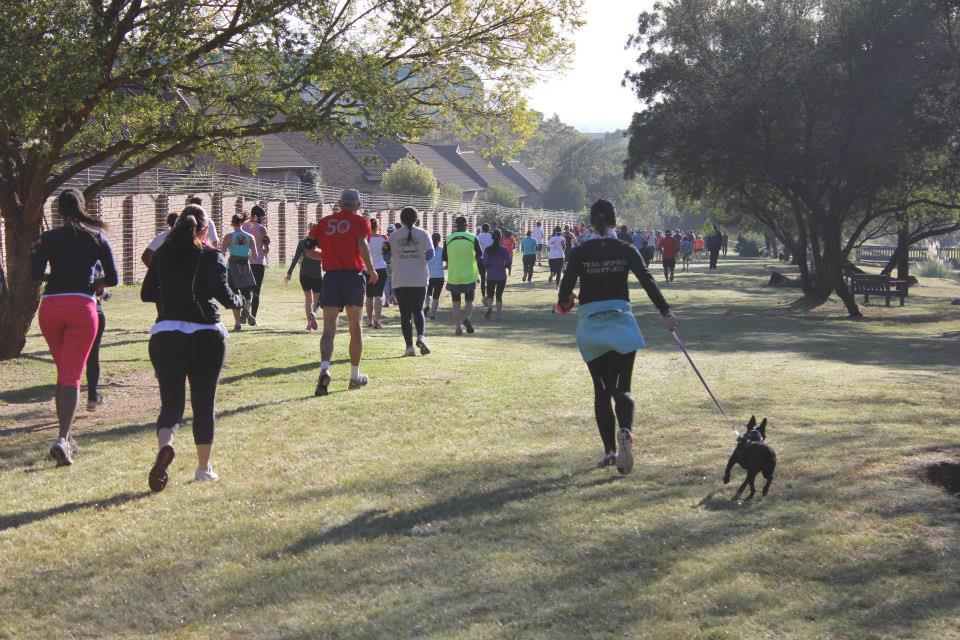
{"x": 705, "y": 385}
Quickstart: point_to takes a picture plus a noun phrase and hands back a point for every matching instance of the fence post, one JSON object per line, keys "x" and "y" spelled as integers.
{"x": 282, "y": 230}
{"x": 160, "y": 208}
{"x": 301, "y": 220}
{"x": 126, "y": 222}
{"x": 216, "y": 211}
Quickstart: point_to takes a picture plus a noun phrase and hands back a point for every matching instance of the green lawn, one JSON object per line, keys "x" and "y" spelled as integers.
{"x": 456, "y": 496}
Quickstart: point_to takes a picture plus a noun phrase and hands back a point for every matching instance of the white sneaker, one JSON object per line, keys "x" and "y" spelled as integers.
{"x": 410, "y": 352}
{"x": 205, "y": 475}
{"x": 624, "y": 451}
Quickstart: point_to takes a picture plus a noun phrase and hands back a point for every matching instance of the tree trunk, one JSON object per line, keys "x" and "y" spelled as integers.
{"x": 901, "y": 255}
{"x": 22, "y": 229}
{"x": 833, "y": 262}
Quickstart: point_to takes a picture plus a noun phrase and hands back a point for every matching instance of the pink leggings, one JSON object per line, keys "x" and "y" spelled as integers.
{"x": 69, "y": 324}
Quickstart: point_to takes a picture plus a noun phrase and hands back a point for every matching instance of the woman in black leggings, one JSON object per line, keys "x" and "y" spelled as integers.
{"x": 607, "y": 332}
{"x": 410, "y": 248}
{"x": 94, "y": 399}
{"x": 187, "y": 341}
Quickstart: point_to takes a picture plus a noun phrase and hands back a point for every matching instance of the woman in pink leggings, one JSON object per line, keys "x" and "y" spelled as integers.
{"x": 68, "y": 311}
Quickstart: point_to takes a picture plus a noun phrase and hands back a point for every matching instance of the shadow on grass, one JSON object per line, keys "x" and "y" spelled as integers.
{"x": 25, "y": 395}
{"x": 312, "y": 366}
{"x": 14, "y": 520}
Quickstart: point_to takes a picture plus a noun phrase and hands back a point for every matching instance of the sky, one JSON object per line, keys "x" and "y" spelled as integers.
{"x": 588, "y": 95}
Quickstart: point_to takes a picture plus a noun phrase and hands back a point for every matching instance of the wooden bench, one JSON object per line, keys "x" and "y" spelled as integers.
{"x": 877, "y": 285}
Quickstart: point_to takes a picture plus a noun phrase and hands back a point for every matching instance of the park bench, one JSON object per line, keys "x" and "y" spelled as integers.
{"x": 877, "y": 285}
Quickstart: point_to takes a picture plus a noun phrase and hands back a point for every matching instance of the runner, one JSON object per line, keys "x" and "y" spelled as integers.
{"x": 686, "y": 251}
{"x": 510, "y": 243}
{"x": 378, "y": 246}
{"x": 258, "y": 261}
{"x": 485, "y": 239}
{"x": 607, "y": 332}
{"x": 151, "y": 249}
{"x": 68, "y": 311}
{"x": 555, "y": 246}
{"x": 528, "y": 251}
{"x": 187, "y": 342}
{"x": 497, "y": 260}
{"x": 698, "y": 248}
{"x": 412, "y": 249}
{"x": 94, "y": 399}
{"x": 343, "y": 241}
{"x": 388, "y": 297}
{"x": 668, "y": 249}
{"x": 461, "y": 252}
{"x": 212, "y": 239}
{"x": 571, "y": 241}
{"x": 241, "y": 247}
{"x": 435, "y": 286}
{"x": 311, "y": 279}
{"x": 538, "y": 236}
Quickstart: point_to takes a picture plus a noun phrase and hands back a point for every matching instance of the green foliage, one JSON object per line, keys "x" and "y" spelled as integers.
{"x": 503, "y": 196}
{"x": 451, "y": 192}
{"x": 409, "y": 177}
{"x": 566, "y": 194}
{"x": 934, "y": 269}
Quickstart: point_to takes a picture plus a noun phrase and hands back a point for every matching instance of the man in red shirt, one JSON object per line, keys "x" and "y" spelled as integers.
{"x": 668, "y": 248}
{"x": 342, "y": 239}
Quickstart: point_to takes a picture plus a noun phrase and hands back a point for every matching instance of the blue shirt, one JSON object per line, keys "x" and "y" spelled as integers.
{"x": 435, "y": 264}
{"x": 639, "y": 241}
{"x": 528, "y": 246}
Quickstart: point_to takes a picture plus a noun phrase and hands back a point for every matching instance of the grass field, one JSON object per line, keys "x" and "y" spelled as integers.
{"x": 457, "y": 497}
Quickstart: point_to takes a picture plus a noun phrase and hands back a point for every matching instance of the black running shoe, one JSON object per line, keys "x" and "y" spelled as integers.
{"x": 158, "y": 474}
{"x": 322, "y": 384}
{"x": 468, "y": 325}
{"x": 424, "y": 349}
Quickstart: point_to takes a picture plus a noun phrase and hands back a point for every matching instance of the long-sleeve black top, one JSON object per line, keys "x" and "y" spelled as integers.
{"x": 602, "y": 266}
{"x": 73, "y": 253}
{"x": 185, "y": 289}
{"x": 311, "y": 268}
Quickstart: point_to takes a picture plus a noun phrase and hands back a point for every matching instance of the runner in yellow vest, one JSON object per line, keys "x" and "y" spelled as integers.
{"x": 463, "y": 256}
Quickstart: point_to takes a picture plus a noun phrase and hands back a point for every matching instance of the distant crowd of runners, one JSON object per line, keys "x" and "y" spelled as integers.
{"x": 348, "y": 265}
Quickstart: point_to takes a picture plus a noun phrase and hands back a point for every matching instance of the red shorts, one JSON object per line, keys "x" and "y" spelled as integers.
{"x": 69, "y": 325}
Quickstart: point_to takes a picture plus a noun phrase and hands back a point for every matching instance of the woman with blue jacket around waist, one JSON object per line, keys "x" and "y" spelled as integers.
{"x": 607, "y": 332}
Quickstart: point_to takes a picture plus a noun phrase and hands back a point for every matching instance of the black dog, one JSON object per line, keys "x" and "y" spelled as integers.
{"x": 754, "y": 455}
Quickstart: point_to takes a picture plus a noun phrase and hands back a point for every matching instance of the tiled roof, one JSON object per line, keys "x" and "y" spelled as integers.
{"x": 531, "y": 178}
{"x": 490, "y": 174}
{"x": 364, "y": 151}
{"x": 446, "y": 170}
{"x": 277, "y": 154}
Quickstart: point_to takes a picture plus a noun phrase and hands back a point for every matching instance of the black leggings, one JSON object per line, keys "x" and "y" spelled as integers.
{"x": 528, "y": 262}
{"x": 258, "y": 272}
{"x": 483, "y": 283}
{"x": 93, "y": 360}
{"x": 198, "y": 357}
{"x": 410, "y": 301}
{"x": 495, "y": 289}
{"x": 611, "y": 375}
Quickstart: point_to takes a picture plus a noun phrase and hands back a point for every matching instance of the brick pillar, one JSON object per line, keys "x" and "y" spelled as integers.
{"x": 126, "y": 221}
{"x": 216, "y": 211}
{"x": 161, "y": 208}
{"x": 282, "y": 231}
{"x": 302, "y": 220}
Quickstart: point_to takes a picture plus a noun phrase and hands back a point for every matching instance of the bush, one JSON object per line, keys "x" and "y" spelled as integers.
{"x": 408, "y": 177}
{"x": 749, "y": 248}
{"x": 503, "y": 196}
{"x": 933, "y": 269}
{"x": 451, "y": 192}
{"x": 565, "y": 194}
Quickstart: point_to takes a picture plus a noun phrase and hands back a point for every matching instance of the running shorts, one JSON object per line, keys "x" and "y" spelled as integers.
{"x": 468, "y": 291}
{"x": 376, "y": 290}
{"x": 343, "y": 288}
{"x": 435, "y": 287}
{"x": 311, "y": 283}
{"x": 669, "y": 263}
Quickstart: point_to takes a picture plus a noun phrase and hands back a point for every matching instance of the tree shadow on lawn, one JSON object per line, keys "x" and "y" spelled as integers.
{"x": 14, "y": 520}
{"x": 312, "y": 366}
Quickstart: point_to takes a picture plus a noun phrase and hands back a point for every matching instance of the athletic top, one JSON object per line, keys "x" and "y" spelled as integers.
{"x": 311, "y": 267}
{"x": 602, "y": 266}
{"x": 376, "y": 251}
{"x": 538, "y": 234}
{"x": 435, "y": 264}
{"x": 497, "y": 259}
{"x": 686, "y": 246}
{"x": 509, "y": 242}
{"x": 485, "y": 238}
{"x": 698, "y": 244}
{"x": 668, "y": 246}
{"x": 639, "y": 241}
{"x": 73, "y": 255}
{"x": 462, "y": 254}
{"x": 158, "y": 240}
{"x": 570, "y": 239}
{"x": 185, "y": 290}
{"x": 240, "y": 244}
{"x": 337, "y": 236}
{"x": 556, "y": 243}
{"x": 528, "y": 245}
{"x": 259, "y": 233}
{"x": 411, "y": 248}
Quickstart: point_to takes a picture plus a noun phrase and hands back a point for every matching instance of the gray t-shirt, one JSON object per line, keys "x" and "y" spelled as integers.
{"x": 408, "y": 262}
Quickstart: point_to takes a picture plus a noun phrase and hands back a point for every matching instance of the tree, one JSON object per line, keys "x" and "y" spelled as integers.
{"x": 128, "y": 85}
{"x": 503, "y": 196}
{"x": 409, "y": 177}
{"x": 836, "y": 115}
{"x": 451, "y": 192}
{"x": 565, "y": 194}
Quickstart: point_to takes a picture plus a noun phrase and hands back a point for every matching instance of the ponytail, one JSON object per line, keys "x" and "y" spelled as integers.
{"x": 70, "y": 205}
{"x": 409, "y": 216}
{"x": 603, "y": 216}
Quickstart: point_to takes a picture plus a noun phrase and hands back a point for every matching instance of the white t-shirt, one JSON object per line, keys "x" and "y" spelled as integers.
{"x": 212, "y": 236}
{"x": 408, "y": 261}
{"x": 538, "y": 234}
{"x": 376, "y": 251}
{"x": 158, "y": 240}
{"x": 556, "y": 244}
{"x": 485, "y": 238}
